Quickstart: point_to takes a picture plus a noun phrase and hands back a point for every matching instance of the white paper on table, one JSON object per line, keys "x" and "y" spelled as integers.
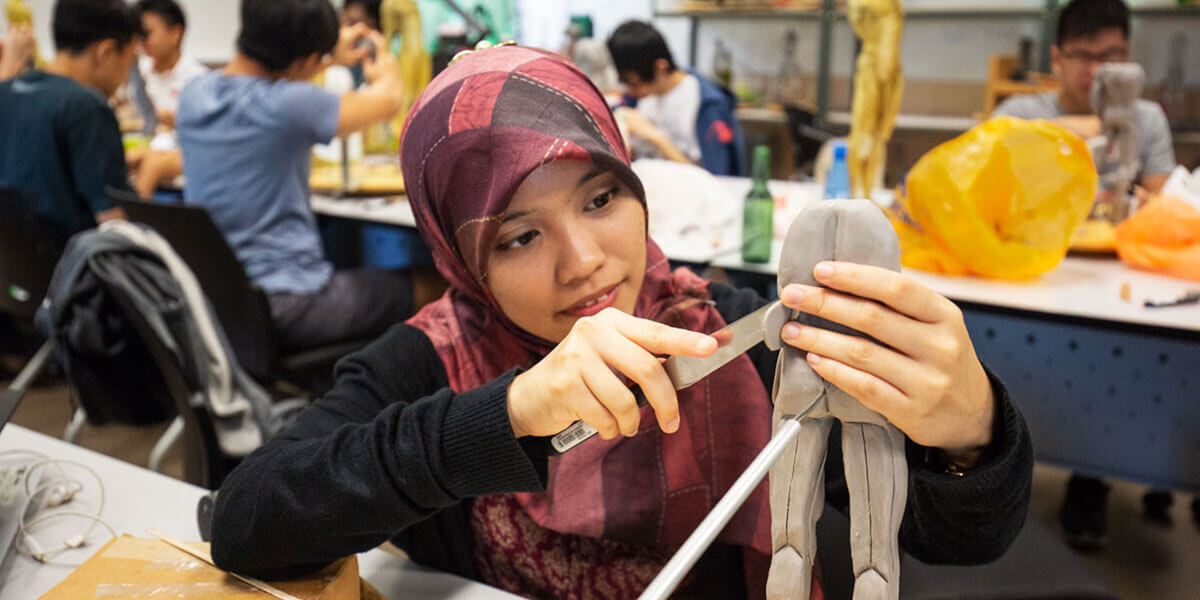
{"x": 1184, "y": 185}
{"x": 686, "y": 204}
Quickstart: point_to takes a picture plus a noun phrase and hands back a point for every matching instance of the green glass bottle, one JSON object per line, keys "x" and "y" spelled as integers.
{"x": 758, "y": 212}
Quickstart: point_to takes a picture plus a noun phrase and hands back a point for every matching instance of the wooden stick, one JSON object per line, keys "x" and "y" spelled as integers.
{"x": 204, "y": 556}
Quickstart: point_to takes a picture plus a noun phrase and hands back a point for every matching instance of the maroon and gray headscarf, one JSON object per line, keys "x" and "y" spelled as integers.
{"x": 471, "y": 139}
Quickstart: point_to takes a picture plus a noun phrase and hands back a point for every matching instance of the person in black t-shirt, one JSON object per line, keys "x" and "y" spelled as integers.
{"x": 59, "y": 141}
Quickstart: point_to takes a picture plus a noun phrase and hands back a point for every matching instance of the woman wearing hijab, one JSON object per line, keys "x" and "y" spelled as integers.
{"x": 434, "y": 437}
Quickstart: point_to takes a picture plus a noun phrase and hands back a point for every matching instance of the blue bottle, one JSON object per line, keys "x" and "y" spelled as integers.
{"x": 837, "y": 182}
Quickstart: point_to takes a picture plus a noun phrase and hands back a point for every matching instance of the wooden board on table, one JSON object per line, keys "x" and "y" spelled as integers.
{"x": 370, "y": 180}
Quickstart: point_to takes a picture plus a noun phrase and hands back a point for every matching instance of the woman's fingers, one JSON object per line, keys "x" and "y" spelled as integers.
{"x": 887, "y": 287}
{"x": 875, "y": 393}
{"x": 630, "y": 349}
{"x": 861, "y": 353}
{"x": 867, "y": 316}
{"x": 657, "y": 338}
{"x": 609, "y": 395}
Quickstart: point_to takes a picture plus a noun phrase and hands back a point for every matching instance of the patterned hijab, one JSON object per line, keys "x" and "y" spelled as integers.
{"x": 471, "y": 139}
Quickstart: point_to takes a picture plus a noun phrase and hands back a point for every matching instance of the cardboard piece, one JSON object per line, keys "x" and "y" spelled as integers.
{"x": 131, "y": 568}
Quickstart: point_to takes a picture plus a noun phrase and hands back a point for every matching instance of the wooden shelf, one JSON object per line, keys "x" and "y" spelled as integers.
{"x": 744, "y": 10}
{"x": 1154, "y": 11}
{"x": 812, "y": 10}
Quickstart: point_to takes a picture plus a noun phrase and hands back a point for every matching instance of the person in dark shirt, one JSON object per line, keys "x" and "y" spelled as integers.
{"x": 59, "y": 142}
{"x": 435, "y": 436}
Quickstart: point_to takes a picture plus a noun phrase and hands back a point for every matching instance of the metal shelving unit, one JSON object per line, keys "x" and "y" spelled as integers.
{"x": 827, "y": 13}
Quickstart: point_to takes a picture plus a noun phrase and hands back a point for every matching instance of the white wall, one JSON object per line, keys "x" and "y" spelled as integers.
{"x": 212, "y": 27}
{"x": 543, "y": 23}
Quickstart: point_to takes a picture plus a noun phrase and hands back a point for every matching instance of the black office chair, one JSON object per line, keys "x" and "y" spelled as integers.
{"x": 30, "y": 247}
{"x": 240, "y": 305}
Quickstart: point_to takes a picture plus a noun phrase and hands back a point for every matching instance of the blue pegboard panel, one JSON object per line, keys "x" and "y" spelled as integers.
{"x": 1100, "y": 397}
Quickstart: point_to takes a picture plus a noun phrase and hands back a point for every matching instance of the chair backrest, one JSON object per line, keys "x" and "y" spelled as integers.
{"x": 203, "y": 463}
{"x": 240, "y": 306}
{"x": 30, "y": 247}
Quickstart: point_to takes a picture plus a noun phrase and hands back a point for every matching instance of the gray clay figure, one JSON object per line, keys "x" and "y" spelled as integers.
{"x": 876, "y": 470}
{"x": 1115, "y": 91}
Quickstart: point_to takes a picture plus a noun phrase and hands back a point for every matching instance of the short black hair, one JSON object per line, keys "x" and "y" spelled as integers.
{"x": 276, "y": 33}
{"x": 167, "y": 10}
{"x": 371, "y": 7}
{"x": 80, "y": 23}
{"x": 635, "y": 46}
{"x": 1086, "y": 18}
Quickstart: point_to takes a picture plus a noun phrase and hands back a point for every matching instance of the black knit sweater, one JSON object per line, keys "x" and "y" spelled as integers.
{"x": 391, "y": 453}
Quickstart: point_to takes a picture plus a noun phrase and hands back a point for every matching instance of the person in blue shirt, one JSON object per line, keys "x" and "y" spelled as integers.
{"x": 247, "y": 134}
{"x": 60, "y": 145}
{"x": 673, "y": 113}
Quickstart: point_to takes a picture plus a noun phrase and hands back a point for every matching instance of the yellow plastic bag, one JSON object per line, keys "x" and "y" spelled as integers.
{"x": 1000, "y": 200}
{"x": 1163, "y": 236}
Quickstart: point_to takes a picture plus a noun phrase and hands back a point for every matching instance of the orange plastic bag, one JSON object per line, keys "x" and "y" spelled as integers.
{"x": 1000, "y": 200}
{"x": 1163, "y": 236}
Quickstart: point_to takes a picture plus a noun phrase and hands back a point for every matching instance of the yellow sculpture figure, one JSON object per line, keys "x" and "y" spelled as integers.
{"x": 878, "y": 87}
{"x": 18, "y": 13}
{"x": 413, "y": 64}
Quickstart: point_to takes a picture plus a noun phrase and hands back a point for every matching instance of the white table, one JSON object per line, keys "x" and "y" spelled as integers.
{"x": 387, "y": 211}
{"x": 138, "y": 499}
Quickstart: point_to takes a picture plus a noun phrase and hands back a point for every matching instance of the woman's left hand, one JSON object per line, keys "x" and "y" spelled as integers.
{"x": 924, "y": 377}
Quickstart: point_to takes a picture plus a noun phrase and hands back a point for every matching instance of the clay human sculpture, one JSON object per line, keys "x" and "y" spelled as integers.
{"x": 875, "y": 465}
{"x": 1115, "y": 91}
{"x": 413, "y": 64}
{"x": 16, "y": 12}
{"x": 878, "y": 88}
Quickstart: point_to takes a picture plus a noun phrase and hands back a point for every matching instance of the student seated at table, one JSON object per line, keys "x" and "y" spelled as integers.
{"x": 1090, "y": 33}
{"x": 59, "y": 141}
{"x": 165, "y": 70}
{"x": 674, "y": 114}
{"x": 247, "y": 134}
{"x": 434, "y": 436}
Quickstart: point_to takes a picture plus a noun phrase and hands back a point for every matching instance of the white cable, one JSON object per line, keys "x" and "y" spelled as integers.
{"x": 25, "y": 538}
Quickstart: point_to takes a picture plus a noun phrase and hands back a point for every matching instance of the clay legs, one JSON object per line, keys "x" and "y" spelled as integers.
{"x": 877, "y": 475}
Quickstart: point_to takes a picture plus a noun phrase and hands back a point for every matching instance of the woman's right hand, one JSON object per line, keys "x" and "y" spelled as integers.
{"x": 578, "y": 380}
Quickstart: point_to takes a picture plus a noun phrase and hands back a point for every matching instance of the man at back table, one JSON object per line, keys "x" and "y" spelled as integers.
{"x": 247, "y": 134}
{"x": 1091, "y": 33}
